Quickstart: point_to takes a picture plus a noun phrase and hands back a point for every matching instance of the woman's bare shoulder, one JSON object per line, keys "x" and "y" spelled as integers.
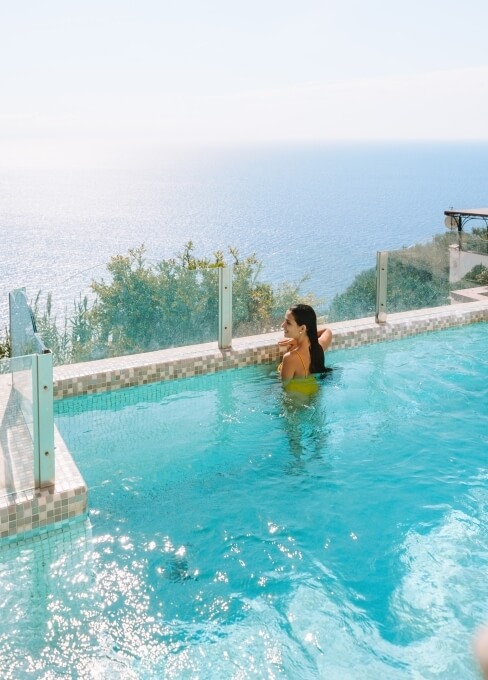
{"x": 289, "y": 365}
{"x": 290, "y": 357}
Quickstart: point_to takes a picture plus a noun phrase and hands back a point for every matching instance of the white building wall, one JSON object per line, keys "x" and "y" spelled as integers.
{"x": 461, "y": 262}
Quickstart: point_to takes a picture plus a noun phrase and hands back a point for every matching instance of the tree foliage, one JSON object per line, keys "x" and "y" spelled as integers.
{"x": 480, "y": 232}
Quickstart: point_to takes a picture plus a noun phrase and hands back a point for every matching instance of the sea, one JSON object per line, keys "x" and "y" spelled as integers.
{"x": 314, "y": 212}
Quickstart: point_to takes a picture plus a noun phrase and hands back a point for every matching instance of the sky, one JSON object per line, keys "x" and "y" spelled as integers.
{"x": 90, "y": 77}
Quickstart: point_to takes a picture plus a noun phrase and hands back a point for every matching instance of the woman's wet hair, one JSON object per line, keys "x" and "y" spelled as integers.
{"x": 305, "y": 315}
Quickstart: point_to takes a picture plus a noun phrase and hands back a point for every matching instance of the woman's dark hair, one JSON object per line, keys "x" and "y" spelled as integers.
{"x": 305, "y": 315}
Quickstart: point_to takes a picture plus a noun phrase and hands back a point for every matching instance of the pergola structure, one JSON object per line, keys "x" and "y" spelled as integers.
{"x": 456, "y": 219}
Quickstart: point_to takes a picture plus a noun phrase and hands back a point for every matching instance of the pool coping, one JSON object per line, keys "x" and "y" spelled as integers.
{"x": 183, "y": 362}
{"x": 25, "y": 514}
{"x": 30, "y": 512}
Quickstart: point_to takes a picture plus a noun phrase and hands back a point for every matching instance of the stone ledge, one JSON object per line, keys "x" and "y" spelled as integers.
{"x": 478, "y": 294}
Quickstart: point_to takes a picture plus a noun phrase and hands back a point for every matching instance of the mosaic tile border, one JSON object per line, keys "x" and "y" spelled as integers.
{"x": 183, "y": 362}
{"x": 24, "y": 514}
{"x": 66, "y": 539}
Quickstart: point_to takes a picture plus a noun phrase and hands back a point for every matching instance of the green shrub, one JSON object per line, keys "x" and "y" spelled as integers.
{"x": 478, "y": 275}
{"x": 144, "y": 306}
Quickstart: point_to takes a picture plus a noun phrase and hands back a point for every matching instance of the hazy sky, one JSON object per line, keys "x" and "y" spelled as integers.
{"x": 104, "y": 73}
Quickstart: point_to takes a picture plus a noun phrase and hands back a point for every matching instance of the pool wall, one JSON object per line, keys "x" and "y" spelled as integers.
{"x": 184, "y": 362}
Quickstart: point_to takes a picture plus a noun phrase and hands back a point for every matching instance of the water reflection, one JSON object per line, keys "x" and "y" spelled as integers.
{"x": 304, "y": 418}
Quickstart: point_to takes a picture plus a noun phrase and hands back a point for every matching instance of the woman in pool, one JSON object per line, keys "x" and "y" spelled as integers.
{"x": 305, "y": 347}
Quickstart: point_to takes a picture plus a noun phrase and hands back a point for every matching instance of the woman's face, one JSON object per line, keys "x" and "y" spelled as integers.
{"x": 290, "y": 327}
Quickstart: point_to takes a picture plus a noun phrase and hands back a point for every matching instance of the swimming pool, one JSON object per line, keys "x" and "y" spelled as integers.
{"x": 238, "y": 532}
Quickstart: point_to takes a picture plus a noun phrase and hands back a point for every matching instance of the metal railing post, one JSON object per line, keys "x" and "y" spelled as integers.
{"x": 225, "y": 307}
{"x": 381, "y": 277}
{"x": 43, "y": 417}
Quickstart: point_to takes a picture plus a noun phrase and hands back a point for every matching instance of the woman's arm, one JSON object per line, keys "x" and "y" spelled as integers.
{"x": 325, "y": 338}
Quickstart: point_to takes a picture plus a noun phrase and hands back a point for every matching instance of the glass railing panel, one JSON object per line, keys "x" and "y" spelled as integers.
{"x": 16, "y": 425}
{"x": 259, "y": 306}
{"x": 358, "y": 300}
{"x": 254, "y": 309}
{"x": 190, "y": 309}
{"x": 468, "y": 268}
{"x": 136, "y": 309}
{"x": 418, "y": 277}
{"x": 24, "y": 338}
{"x": 448, "y": 269}
{"x": 22, "y": 384}
{"x": 5, "y": 368}
{"x": 53, "y": 314}
{"x": 474, "y": 244}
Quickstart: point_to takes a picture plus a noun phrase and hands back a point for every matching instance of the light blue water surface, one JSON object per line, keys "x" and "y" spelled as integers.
{"x": 237, "y": 532}
{"x": 317, "y": 209}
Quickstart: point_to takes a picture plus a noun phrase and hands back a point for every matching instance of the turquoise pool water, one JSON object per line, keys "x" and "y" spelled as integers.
{"x": 238, "y": 532}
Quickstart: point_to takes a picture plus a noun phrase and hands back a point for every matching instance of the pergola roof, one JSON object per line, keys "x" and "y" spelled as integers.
{"x": 471, "y": 212}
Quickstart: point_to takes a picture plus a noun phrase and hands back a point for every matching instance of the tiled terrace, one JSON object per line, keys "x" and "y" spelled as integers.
{"x": 24, "y": 510}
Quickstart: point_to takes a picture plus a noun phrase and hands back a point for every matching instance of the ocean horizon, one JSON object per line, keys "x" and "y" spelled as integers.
{"x": 320, "y": 211}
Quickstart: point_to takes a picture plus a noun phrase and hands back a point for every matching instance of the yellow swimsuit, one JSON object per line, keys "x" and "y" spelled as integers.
{"x": 307, "y": 385}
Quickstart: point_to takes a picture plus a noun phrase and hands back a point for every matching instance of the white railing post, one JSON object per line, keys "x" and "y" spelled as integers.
{"x": 225, "y": 307}
{"x": 381, "y": 277}
{"x": 43, "y": 417}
